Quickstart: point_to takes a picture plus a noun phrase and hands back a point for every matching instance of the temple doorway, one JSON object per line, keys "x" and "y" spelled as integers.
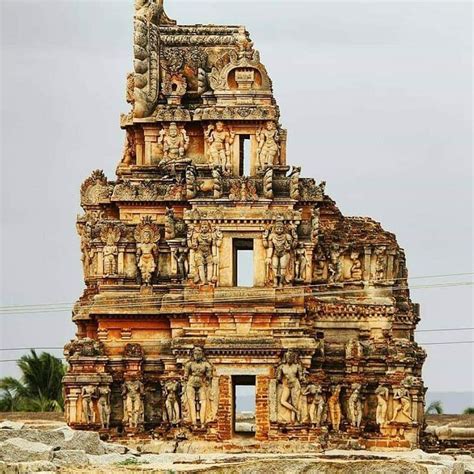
{"x": 243, "y": 262}
{"x": 243, "y": 391}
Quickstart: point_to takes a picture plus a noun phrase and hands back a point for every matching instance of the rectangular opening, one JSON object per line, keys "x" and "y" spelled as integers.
{"x": 243, "y": 388}
{"x": 244, "y": 155}
{"x": 243, "y": 262}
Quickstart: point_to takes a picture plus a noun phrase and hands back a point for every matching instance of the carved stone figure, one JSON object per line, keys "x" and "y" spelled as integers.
{"x": 129, "y": 156}
{"x": 354, "y": 406}
{"x": 133, "y": 349}
{"x": 170, "y": 224}
{"x": 217, "y": 182}
{"x": 180, "y": 254}
{"x": 334, "y": 407}
{"x": 132, "y": 393}
{"x": 175, "y": 143}
{"x": 382, "y": 394}
{"x": 319, "y": 264}
{"x": 315, "y": 212}
{"x": 242, "y": 189}
{"x": 110, "y": 235}
{"x": 354, "y": 349}
{"x": 356, "y": 267}
{"x": 401, "y": 403}
{"x": 301, "y": 263}
{"x": 279, "y": 244}
{"x": 294, "y": 178}
{"x": 95, "y": 189}
{"x": 85, "y": 347}
{"x": 205, "y": 242}
{"x": 103, "y": 404}
{"x": 191, "y": 182}
{"x": 219, "y": 140}
{"x": 88, "y": 392}
{"x": 380, "y": 263}
{"x": 268, "y": 183}
{"x": 87, "y": 253}
{"x": 268, "y": 151}
{"x": 289, "y": 374}
{"x": 198, "y": 377}
{"x": 316, "y": 407}
{"x": 171, "y": 393}
{"x": 147, "y": 235}
{"x": 335, "y": 265}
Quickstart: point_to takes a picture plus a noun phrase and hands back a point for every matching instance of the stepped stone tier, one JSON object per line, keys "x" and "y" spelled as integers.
{"x": 164, "y": 332}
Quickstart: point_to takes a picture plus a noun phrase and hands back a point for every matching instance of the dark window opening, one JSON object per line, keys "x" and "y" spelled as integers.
{"x": 243, "y": 262}
{"x": 244, "y": 155}
{"x": 243, "y": 388}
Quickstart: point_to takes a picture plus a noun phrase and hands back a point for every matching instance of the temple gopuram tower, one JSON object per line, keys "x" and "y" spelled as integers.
{"x": 165, "y": 333}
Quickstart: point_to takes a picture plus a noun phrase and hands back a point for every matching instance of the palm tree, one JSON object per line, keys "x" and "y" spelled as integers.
{"x": 435, "y": 407}
{"x": 39, "y": 388}
{"x": 468, "y": 411}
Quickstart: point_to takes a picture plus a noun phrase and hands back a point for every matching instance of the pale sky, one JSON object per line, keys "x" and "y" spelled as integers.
{"x": 376, "y": 97}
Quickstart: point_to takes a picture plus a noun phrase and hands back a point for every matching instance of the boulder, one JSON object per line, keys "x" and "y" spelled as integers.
{"x": 159, "y": 447}
{"x": 70, "y": 458}
{"x": 11, "y": 425}
{"x": 107, "y": 459}
{"x": 42, "y": 467}
{"x": 87, "y": 441}
{"x": 51, "y": 438}
{"x": 115, "y": 448}
{"x": 19, "y": 450}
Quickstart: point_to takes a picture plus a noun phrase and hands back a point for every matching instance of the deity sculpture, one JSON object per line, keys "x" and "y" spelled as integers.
{"x": 191, "y": 188}
{"x": 205, "y": 242}
{"x": 301, "y": 263}
{"x": 110, "y": 235}
{"x": 171, "y": 392}
{"x": 315, "y": 212}
{"x": 175, "y": 143}
{"x": 289, "y": 374}
{"x": 180, "y": 254}
{"x": 279, "y": 244}
{"x": 87, "y": 252}
{"x": 316, "y": 407}
{"x": 335, "y": 265}
{"x": 354, "y": 349}
{"x": 401, "y": 403}
{"x": 128, "y": 157}
{"x": 334, "y": 407}
{"x": 132, "y": 393}
{"x": 88, "y": 392}
{"x": 268, "y": 150}
{"x": 382, "y": 394}
{"x": 103, "y": 404}
{"x": 380, "y": 263}
{"x": 354, "y": 406}
{"x": 220, "y": 141}
{"x": 170, "y": 224}
{"x": 295, "y": 182}
{"x": 319, "y": 264}
{"x": 147, "y": 235}
{"x": 356, "y": 267}
{"x": 198, "y": 378}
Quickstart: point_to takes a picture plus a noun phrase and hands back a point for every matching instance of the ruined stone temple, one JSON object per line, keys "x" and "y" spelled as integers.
{"x": 318, "y": 324}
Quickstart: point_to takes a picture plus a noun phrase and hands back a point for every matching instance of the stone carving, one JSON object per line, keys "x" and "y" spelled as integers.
{"x": 382, "y": 394}
{"x": 110, "y": 235}
{"x": 315, "y": 212}
{"x": 129, "y": 155}
{"x": 230, "y": 112}
{"x": 294, "y": 178}
{"x": 180, "y": 254}
{"x": 191, "y": 187}
{"x": 268, "y": 183}
{"x": 174, "y": 87}
{"x": 335, "y": 265}
{"x": 289, "y": 375}
{"x": 380, "y": 263}
{"x": 220, "y": 140}
{"x": 205, "y": 243}
{"x": 172, "y": 408}
{"x": 133, "y": 349}
{"x": 243, "y": 189}
{"x": 279, "y": 243}
{"x": 301, "y": 263}
{"x": 268, "y": 150}
{"x": 401, "y": 404}
{"x": 170, "y": 224}
{"x": 87, "y": 253}
{"x": 88, "y": 392}
{"x": 217, "y": 183}
{"x": 133, "y": 392}
{"x": 334, "y": 407}
{"x": 147, "y": 235}
{"x": 356, "y": 267}
{"x": 198, "y": 379}
{"x": 317, "y": 405}
{"x": 354, "y": 406}
{"x": 175, "y": 143}
{"x": 85, "y": 347}
{"x": 95, "y": 189}
{"x": 103, "y": 404}
{"x": 319, "y": 264}
{"x": 354, "y": 349}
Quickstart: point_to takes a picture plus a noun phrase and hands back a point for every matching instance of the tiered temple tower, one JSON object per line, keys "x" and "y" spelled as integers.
{"x": 164, "y": 332}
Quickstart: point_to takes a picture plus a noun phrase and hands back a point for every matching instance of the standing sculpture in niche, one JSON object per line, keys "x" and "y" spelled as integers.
{"x": 382, "y": 394}
{"x": 88, "y": 392}
{"x": 316, "y": 407}
{"x": 191, "y": 188}
{"x": 129, "y": 156}
{"x": 147, "y": 235}
{"x": 401, "y": 403}
{"x": 103, "y": 404}
{"x": 301, "y": 263}
{"x": 198, "y": 378}
{"x": 356, "y": 267}
{"x": 354, "y": 406}
{"x": 334, "y": 407}
{"x": 133, "y": 392}
{"x": 205, "y": 242}
{"x": 175, "y": 143}
{"x": 380, "y": 263}
{"x": 289, "y": 375}
{"x": 279, "y": 244}
{"x": 220, "y": 141}
{"x": 170, "y": 224}
{"x": 171, "y": 392}
{"x": 315, "y": 214}
{"x": 335, "y": 265}
{"x": 268, "y": 151}
{"x": 110, "y": 235}
{"x": 180, "y": 254}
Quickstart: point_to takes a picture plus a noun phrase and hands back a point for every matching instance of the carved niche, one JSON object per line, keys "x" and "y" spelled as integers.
{"x": 147, "y": 235}
{"x": 96, "y": 189}
{"x": 110, "y": 236}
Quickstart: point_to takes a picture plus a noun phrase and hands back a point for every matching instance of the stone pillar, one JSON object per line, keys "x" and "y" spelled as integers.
{"x": 139, "y": 147}
{"x": 100, "y": 262}
{"x": 151, "y": 138}
{"x": 121, "y": 260}
{"x": 309, "y": 248}
{"x": 390, "y": 264}
{"x": 367, "y": 263}
{"x": 253, "y": 155}
{"x": 72, "y": 399}
{"x": 225, "y": 408}
{"x": 283, "y": 136}
{"x": 262, "y": 408}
